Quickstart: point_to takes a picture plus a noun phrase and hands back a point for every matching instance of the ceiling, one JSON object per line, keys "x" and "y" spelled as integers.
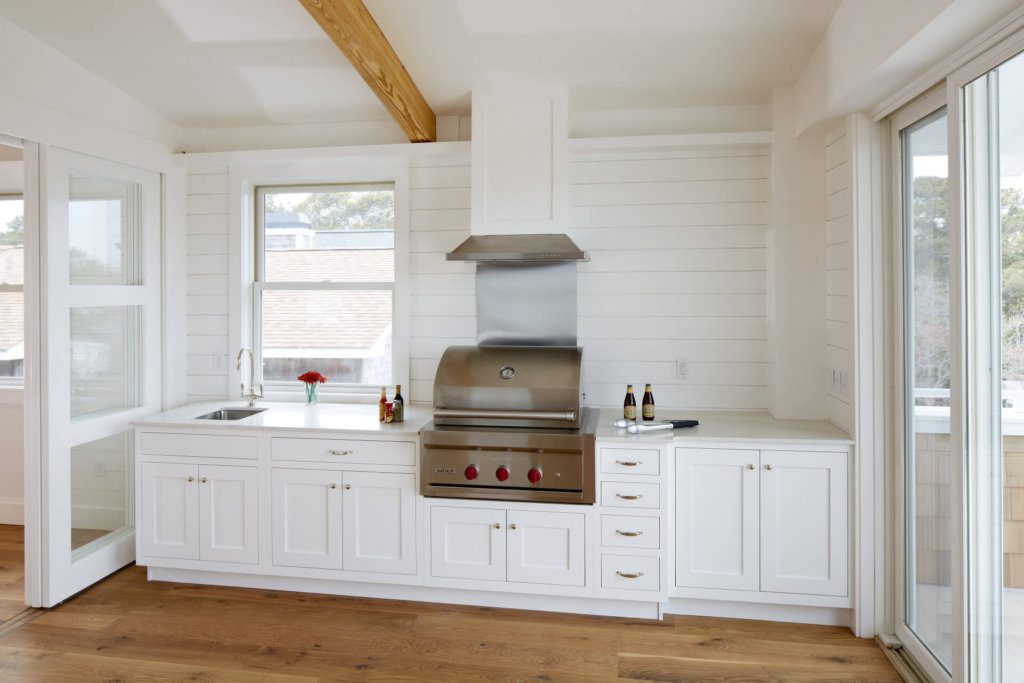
{"x": 205, "y": 64}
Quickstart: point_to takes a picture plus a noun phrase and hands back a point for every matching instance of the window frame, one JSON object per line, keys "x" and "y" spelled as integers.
{"x": 344, "y": 167}
{"x": 15, "y": 382}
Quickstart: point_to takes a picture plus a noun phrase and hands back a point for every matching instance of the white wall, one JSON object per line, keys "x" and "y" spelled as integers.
{"x": 796, "y": 270}
{"x": 206, "y": 248}
{"x": 677, "y": 271}
{"x": 676, "y": 240}
{"x": 840, "y": 385}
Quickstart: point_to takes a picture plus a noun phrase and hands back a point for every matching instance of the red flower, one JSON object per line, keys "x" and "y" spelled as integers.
{"x": 311, "y": 377}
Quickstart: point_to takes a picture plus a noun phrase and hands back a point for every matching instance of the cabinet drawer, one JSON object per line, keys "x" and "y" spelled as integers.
{"x": 630, "y": 573}
{"x": 626, "y": 494}
{"x": 198, "y": 445}
{"x": 630, "y": 461}
{"x": 343, "y": 450}
{"x": 622, "y": 531}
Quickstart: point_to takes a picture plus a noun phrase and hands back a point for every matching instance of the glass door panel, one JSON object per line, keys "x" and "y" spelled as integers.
{"x": 101, "y": 355}
{"x": 928, "y": 533}
{"x": 994, "y": 212}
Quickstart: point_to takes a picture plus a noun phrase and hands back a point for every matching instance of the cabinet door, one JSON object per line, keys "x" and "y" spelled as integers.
{"x": 228, "y": 514}
{"x": 467, "y": 543}
{"x": 306, "y": 518}
{"x": 169, "y": 504}
{"x": 546, "y": 547}
{"x": 717, "y": 518}
{"x": 804, "y": 517}
{"x": 379, "y": 520}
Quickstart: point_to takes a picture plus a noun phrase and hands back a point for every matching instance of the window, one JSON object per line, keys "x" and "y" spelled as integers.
{"x": 12, "y": 288}
{"x": 325, "y": 283}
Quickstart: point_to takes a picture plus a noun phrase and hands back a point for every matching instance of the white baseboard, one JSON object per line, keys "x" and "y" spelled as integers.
{"x": 453, "y": 596}
{"x": 12, "y": 511}
{"x": 798, "y": 614}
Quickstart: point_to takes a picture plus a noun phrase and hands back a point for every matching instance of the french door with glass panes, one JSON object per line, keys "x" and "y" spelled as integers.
{"x": 99, "y": 363}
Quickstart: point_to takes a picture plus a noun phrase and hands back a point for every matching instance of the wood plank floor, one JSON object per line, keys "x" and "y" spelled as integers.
{"x": 127, "y": 629}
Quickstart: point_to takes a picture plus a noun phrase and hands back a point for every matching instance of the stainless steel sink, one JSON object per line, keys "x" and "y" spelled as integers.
{"x": 231, "y": 414}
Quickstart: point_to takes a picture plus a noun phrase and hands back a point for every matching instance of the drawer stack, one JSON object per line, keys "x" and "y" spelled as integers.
{"x": 631, "y": 518}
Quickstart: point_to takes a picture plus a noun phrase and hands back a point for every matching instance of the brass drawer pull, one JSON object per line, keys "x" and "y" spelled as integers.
{"x": 628, "y": 463}
{"x": 190, "y": 479}
{"x": 626, "y": 496}
{"x": 620, "y": 532}
{"x": 628, "y": 575}
{"x": 339, "y": 452}
{"x": 334, "y": 486}
{"x": 202, "y": 480}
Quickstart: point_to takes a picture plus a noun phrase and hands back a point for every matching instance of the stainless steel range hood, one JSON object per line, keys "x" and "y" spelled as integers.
{"x": 518, "y": 248}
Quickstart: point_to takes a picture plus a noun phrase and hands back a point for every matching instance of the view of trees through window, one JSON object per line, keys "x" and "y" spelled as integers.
{"x": 342, "y": 239}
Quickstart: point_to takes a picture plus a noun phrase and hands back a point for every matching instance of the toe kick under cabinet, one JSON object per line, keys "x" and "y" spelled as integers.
{"x": 275, "y": 505}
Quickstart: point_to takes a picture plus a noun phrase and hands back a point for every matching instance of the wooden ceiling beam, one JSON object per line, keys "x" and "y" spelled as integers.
{"x": 352, "y": 28}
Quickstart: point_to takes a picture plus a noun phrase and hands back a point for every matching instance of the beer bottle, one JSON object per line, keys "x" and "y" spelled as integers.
{"x": 382, "y": 411}
{"x": 629, "y": 405}
{"x": 398, "y": 409}
{"x": 648, "y": 403}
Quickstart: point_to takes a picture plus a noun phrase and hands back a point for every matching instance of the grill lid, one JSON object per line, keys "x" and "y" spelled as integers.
{"x": 509, "y": 386}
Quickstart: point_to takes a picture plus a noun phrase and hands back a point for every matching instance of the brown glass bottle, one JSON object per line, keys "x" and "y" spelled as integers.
{"x": 398, "y": 407}
{"x": 629, "y": 405}
{"x": 647, "y": 407}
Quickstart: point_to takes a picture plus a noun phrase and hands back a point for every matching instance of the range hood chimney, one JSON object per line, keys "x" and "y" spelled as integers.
{"x": 547, "y": 248}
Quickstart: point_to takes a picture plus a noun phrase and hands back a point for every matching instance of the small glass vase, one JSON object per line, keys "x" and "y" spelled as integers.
{"x": 311, "y": 393}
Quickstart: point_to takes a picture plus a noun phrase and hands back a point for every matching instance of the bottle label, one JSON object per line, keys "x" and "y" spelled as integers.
{"x": 629, "y": 412}
{"x": 648, "y": 411}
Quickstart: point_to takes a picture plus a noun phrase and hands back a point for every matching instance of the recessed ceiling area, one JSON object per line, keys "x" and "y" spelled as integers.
{"x": 256, "y": 62}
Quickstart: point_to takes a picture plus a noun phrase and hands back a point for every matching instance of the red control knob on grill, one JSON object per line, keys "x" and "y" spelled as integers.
{"x": 472, "y": 472}
{"x": 502, "y": 473}
{"x": 534, "y": 475}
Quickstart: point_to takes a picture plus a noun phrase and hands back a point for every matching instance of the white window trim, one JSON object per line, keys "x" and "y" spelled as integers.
{"x": 243, "y": 180}
{"x": 14, "y": 383}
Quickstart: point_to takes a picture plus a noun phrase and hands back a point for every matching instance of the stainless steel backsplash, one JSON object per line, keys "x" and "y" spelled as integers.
{"x": 526, "y": 304}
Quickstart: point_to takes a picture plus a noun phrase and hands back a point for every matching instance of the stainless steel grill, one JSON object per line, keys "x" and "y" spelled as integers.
{"x": 508, "y": 425}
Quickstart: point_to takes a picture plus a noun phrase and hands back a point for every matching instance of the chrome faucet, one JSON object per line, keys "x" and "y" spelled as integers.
{"x": 252, "y": 396}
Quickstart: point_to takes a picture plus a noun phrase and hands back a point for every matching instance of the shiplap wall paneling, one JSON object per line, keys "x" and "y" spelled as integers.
{"x": 677, "y": 272}
{"x": 442, "y": 293}
{"x": 839, "y": 380}
{"x": 207, "y": 287}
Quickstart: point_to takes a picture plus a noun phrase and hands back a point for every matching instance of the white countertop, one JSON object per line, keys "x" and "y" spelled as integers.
{"x": 361, "y": 419}
{"x": 350, "y": 418}
{"x": 753, "y": 426}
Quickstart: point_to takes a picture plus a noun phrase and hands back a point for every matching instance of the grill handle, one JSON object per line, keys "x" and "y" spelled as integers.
{"x": 566, "y": 416}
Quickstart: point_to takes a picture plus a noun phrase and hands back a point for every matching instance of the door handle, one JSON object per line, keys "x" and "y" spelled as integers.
{"x": 627, "y": 463}
{"x": 626, "y": 496}
{"x": 202, "y": 480}
{"x": 630, "y": 575}
{"x": 335, "y": 451}
{"x": 631, "y": 534}
{"x": 190, "y": 479}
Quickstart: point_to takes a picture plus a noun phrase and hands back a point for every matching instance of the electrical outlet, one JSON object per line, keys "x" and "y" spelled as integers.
{"x": 682, "y": 369}
{"x": 100, "y": 470}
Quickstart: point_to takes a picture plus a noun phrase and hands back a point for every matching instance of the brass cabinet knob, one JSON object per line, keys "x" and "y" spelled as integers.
{"x": 768, "y": 467}
{"x": 497, "y": 525}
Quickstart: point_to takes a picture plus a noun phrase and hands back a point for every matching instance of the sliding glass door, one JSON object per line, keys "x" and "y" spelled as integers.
{"x": 993, "y": 213}
{"x": 927, "y": 532}
{"x": 959, "y": 371}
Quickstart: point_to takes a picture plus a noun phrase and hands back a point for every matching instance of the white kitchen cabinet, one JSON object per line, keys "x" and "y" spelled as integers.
{"x": 199, "y": 512}
{"x": 379, "y": 522}
{"x": 169, "y": 510}
{"x": 228, "y": 514}
{"x": 467, "y": 543}
{"x": 717, "y": 518}
{"x": 518, "y": 546}
{"x": 769, "y": 521}
{"x": 520, "y": 160}
{"x": 804, "y": 520}
{"x": 546, "y": 547}
{"x": 306, "y": 514}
